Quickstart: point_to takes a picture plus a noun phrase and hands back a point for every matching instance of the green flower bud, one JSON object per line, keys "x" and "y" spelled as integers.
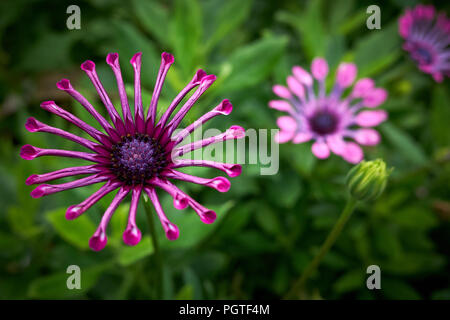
{"x": 367, "y": 180}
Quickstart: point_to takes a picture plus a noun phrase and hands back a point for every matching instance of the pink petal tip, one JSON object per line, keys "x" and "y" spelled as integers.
{"x": 172, "y": 231}
{"x": 319, "y": 68}
{"x": 88, "y": 66}
{"x": 208, "y": 216}
{"x": 221, "y": 184}
{"x": 180, "y": 202}
{"x": 233, "y": 170}
{"x": 112, "y": 58}
{"x": 39, "y": 191}
{"x": 237, "y": 132}
{"x": 136, "y": 59}
{"x": 32, "y": 125}
{"x": 64, "y": 84}
{"x": 31, "y": 179}
{"x": 132, "y": 236}
{"x": 28, "y": 152}
{"x": 167, "y": 57}
{"x": 73, "y": 212}
{"x": 225, "y": 107}
{"x": 98, "y": 241}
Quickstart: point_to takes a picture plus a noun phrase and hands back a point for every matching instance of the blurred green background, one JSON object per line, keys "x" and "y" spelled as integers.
{"x": 268, "y": 227}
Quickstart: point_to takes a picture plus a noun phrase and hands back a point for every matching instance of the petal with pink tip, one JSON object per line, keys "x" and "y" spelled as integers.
{"x": 367, "y": 137}
{"x": 336, "y": 144}
{"x": 172, "y": 231}
{"x": 283, "y": 136}
{"x": 346, "y": 74}
{"x": 320, "y": 150}
{"x": 132, "y": 235}
{"x": 363, "y": 87}
{"x": 287, "y": 123}
{"x": 375, "y": 97}
{"x": 352, "y": 153}
{"x": 301, "y": 137}
{"x": 280, "y": 105}
{"x": 438, "y": 77}
{"x": 302, "y": 75}
{"x": 281, "y": 91}
{"x": 319, "y": 68}
{"x": 404, "y": 25}
{"x": 98, "y": 241}
{"x": 371, "y": 118}
{"x": 295, "y": 86}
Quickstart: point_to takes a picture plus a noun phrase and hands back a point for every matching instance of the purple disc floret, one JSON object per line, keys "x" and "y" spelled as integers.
{"x": 337, "y": 121}
{"x": 135, "y": 153}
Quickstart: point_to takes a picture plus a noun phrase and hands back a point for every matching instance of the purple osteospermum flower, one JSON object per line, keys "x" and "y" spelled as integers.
{"x": 329, "y": 119}
{"x": 427, "y": 39}
{"x": 135, "y": 154}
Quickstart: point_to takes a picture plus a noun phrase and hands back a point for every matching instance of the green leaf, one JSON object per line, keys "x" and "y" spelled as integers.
{"x": 186, "y": 34}
{"x": 289, "y": 186}
{"x": 253, "y": 242}
{"x": 128, "y": 40}
{"x": 335, "y": 50}
{"x": 310, "y": 28}
{"x": 185, "y": 293}
{"x": 192, "y": 230}
{"x": 350, "y": 281}
{"x": 229, "y": 16}
{"x": 10, "y": 245}
{"x": 410, "y": 263}
{"x": 154, "y": 17}
{"x": 251, "y": 64}
{"x": 352, "y": 23}
{"x": 387, "y": 242}
{"x": 313, "y": 35}
{"x": 404, "y": 144}
{"x": 52, "y": 51}
{"x": 361, "y": 238}
{"x": 54, "y": 286}
{"x": 398, "y": 290}
{"x": 77, "y": 232}
{"x": 416, "y": 217}
{"x": 339, "y": 13}
{"x": 300, "y": 157}
{"x": 130, "y": 254}
{"x": 377, "y": 51}
{"x": 238, "y": 218}
{"x": 337, "y": 261}
{"x": 267, "y": 219}
{"x": 440, "y": 113}
{"x": 22, "y": 221}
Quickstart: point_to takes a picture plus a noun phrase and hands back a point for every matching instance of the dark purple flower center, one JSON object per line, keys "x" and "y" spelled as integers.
{"x": 323, "y": 122}
{"x": 137, "y": 158}
{"x": 424, "y": 56}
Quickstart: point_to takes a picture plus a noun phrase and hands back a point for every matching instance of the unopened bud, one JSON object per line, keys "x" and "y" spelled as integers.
{"x": 367, "y": 180}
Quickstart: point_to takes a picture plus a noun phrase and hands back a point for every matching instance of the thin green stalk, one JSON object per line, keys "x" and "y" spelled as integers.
{"x": 157, "y": 252}
{"x": 330, "y": 240}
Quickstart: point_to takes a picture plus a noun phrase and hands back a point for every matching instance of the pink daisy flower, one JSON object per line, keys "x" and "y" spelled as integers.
{"x": 330, "y": 120}
{"x": 427, "y": 39}
{"x": 134, "y": 154}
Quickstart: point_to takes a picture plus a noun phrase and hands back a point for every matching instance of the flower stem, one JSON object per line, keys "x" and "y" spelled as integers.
{"x": 157, "y": 252}
{"x": 330, "y": 240}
